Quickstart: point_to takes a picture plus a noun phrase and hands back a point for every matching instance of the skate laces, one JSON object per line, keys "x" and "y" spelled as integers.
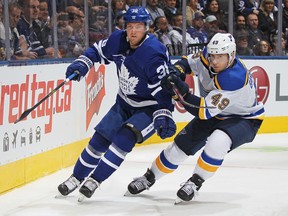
{"x": 72, "y": 183}
{"x": 91, "y": 184}
{"x": 141, "y": 183}
{"x": 189, "y": 188}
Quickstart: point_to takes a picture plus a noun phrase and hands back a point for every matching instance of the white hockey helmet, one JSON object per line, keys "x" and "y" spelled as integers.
{"x": 222, "y": 43}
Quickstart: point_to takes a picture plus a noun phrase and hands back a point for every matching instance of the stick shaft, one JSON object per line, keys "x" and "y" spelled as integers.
{"x": 28, "y": 111}
{"x": 182, "y": 100}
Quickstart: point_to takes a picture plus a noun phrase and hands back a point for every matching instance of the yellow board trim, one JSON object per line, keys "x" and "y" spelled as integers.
{"x": 26, "y": 170}
{"x": 23, "y": 171}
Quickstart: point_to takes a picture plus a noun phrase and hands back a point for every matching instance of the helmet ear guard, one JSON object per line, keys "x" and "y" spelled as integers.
{"x": 223, "y": 43}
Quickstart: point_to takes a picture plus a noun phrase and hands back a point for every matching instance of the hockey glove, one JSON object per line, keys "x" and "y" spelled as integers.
{"x": 163, "y": 123}
{"x": 175, "y": 86}
{"x": 81, "y": 66}
{"x": 178, "y": 71}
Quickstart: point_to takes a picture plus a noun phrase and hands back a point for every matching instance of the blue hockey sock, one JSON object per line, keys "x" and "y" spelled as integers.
{"x": 123, "y": 143}
{"x": 90, "y": 156}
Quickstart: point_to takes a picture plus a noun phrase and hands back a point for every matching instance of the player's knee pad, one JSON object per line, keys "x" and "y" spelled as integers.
{"x": 125, "y": 139}
{"x": 218, "y": 144}
{"x": 99, "y": 143}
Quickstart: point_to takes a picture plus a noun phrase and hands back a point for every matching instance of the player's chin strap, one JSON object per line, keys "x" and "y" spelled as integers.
{"x": 211, "y": 72}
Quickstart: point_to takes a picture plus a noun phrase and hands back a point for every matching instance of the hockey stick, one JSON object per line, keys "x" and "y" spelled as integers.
{"x": 182, "y": 100}
{"x": 28, "y": 111}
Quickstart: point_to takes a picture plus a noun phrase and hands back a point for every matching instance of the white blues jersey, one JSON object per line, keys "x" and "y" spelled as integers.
{"x": 232, "y": 92}
{"x": 139, "y": 70}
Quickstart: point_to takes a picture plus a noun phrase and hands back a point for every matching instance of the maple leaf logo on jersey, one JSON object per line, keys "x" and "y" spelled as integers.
{"x": 126, "y": 83}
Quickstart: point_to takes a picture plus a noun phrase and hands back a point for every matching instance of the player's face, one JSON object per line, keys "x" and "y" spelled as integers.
{"x": 135, "y": 33}
{"x": 218, "y": 62}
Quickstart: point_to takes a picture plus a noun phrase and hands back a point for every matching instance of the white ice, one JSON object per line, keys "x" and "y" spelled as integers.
{"x": 253, "y": 181}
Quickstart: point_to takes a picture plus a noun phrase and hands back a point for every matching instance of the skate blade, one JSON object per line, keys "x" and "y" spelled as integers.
{"x": 81, "y": 198}
{"x": 59, "y": 196}
{"x": 179, "y": 201}
{"x": 128, "y": 194}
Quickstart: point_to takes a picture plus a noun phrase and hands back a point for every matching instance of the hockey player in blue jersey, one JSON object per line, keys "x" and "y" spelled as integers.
{"x": 141, "y": 108}
{"x": 227, "y": 115}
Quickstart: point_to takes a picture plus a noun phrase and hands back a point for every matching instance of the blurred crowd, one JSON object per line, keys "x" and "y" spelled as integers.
{"x": 32, "y": 33}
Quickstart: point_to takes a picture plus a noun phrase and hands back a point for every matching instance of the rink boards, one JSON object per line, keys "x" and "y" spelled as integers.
{"x": 54, "y": 134}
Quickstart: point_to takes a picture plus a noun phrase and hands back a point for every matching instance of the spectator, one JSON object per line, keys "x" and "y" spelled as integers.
{"x": 18, "y": 44}
{"x": 246, "y": 7}
{"x": 28, "y": 27}
{"x": 98, "y": 25}
{"x": 268, "y": 18}
{"x": 76, "y": 3}
{"x": 161, "y": 3}
{"x": 196, "y": 30}
{"x": 154, "y": 10}
{"x": 117, "y": 7}
{"x": 242, "y": 43}
{"x": 45, "y": 25}
{"x": 213, "y": 8}
{"x": 285, "y": 18}
{"x": 177, "y": 34}
{"x": 240, "y": 22}
{"x": 162, "y": 33}
{"x": 274, "y": 48}
{"x": 191, "y": 8}
{"x": 255, "y": 34}
{"x": 64, "y": 32}
{"x": 77, "y": 40}
{"x": 98, "y": 21}
{"x": 119, "y": 21}
{"x": 170, "y": 9}
{"x": 262, "y": 48}
{"x": 202, "y": 4}
{"x": 211, "y": 26}
{"x": 130, "y": 3}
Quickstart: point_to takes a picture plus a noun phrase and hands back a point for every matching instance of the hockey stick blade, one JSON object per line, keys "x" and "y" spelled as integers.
{"x": 182, "y": 101}
{"x": 28, "y": 111}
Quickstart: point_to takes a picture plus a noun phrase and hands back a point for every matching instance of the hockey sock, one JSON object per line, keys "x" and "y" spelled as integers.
{"x": 122, "y": 144}
{"x": 168, "y": 161}
{"x": 211, "y": 158}
{"x": 90, "y": 156}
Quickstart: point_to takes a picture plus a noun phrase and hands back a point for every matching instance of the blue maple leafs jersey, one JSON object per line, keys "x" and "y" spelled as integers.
{"x": 139, "y": 70}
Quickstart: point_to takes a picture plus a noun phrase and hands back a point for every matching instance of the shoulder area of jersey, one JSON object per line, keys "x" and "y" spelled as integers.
{"x": 196, "y": 55}
{"x": 152, "y": 42}
{"x": 232, "y": 78}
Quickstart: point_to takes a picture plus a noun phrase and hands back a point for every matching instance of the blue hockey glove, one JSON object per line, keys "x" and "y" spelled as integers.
{"x": 163, "y": 123}
{"x": 175, "y": 86}
{"x": 81, "y": 66}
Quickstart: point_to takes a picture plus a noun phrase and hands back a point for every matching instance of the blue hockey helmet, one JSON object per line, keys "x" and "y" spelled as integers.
{"x": 137, "y": 14}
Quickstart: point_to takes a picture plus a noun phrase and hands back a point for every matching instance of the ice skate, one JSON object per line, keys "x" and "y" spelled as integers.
{"x": 141, "y": 183}
{"x": 88, "y": 188}
{"x": 189, "y": 190}
{"x": 68, "y": 186}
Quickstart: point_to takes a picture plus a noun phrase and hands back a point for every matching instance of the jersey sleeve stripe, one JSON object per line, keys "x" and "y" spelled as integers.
{"x": 204, "y": 61}
{"x": 217, "y": 83}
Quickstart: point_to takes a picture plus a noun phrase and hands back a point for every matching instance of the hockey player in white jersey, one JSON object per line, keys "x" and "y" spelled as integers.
{"x": 141, "y": 106}
{"x": 232, "y": 119}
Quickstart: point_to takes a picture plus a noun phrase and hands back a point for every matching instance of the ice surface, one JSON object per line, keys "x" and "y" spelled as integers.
{"x": 253, "y": 181}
